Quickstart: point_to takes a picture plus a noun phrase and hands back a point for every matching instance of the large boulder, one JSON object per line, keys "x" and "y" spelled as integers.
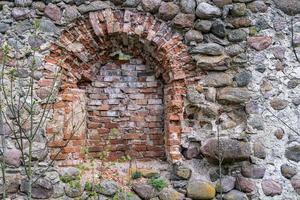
{"x": 199, "y": 189}
{"x": 231, "y": 150}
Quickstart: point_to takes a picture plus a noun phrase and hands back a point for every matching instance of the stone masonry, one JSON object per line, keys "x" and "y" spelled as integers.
{"x": 202, "y": 85}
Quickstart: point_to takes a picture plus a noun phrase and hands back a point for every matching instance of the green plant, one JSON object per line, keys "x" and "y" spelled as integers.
{"x": 136, "y": 175}
{"x": 158, "y": 183}
{"x": 88, "y": 186}
{"x": 74, "y": 184}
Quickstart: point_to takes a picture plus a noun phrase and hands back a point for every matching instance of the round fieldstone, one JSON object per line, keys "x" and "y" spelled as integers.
{"x": 293, "y": 83}
{"x": 168, "y": 11}
{"x": 226, "y": 184}
{"x": 296, "y": 101}
{"x": 188, "y": 6}
{"x": 278, "y": 104}
{"x": 184, "y": 20}
{"x": 295, "y": 181}
{"x": 237, "y": 35}
{"x": 218, "y": 28}
{"x": 39, "y": 5}
{"x": 145, "y": 191}
{"x": 41, "y": 189}
{"x": 271, "y": 187}
{"x": 259, "y": 150}
{"x": 107, "y": 187}
{"x": 193, "y": 35}
{"x": 203, "y": 25}
{"x": 279, "y": 133}
{"x": 235, "y": 195}
{"x": 259, "y": 42}
{"x": 293, "y": 153}
{"x": 238, "y": 9}
{"x": 199, "y": 189}
{"x": 70, "y": 173}
{"x": 12, "y": 157}
{"x": 73, "y": 189}
{"x": 19, "y": 13}
{"x": 70, "y": 13}
{"x": 53, "y": 12}
{"x": 131, "y": 3}
{"x": 4, "y": 27}
{"x": 245, "y": 184}
{"x": 207, "y": 11}
{"x": 243, "y": 78}
{"x": 182, "y": 172}
{"x": 288, "y": 171}
{"x": 257, "y": 6}
{"x": 151, "y": 6}
{"x": 222, "y": 3}
{"x": 170, "y": 194}
{"x": 253, "y": 171}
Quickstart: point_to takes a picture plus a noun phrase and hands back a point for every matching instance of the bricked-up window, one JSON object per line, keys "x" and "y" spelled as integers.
{"x": 125, "y": 111}
{"x": 133, "y": 107}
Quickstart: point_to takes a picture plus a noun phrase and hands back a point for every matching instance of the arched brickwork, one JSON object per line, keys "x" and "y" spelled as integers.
{"x": 90, "y": 41}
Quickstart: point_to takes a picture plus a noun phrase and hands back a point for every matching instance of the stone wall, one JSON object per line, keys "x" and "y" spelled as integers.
{"x": 226, "y": 77}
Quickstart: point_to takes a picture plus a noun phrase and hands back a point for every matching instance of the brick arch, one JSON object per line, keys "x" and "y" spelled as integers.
{"x": 91, "y": 40}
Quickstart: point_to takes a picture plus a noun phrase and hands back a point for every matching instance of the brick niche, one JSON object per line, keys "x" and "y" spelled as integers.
{"x": 133, "y": 106}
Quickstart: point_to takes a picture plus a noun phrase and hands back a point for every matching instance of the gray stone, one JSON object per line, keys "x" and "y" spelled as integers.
{"x": 5, "y": 129}
{"x": 182, "y": 172}
{"x": 4, "y": 27}
{"x": 295, "y": 181}
{"x": 207, "y": 11}
{"x": 290, "y": 7}
{"x": 211, "y": 49}
{"x": 48, "y": 26}
{"x": 234, "y": 95}
{"x": 122, "y": 196}
{"x": 179, "y": 184}
{"x": 73, "y": 189}
{"x": 257, "y": 6}
{"x": 39, "y": 151}
{"x": 255, "y": 121}
{"x": 261, "y": 24}
{"x": 39, "y": 5}
{"x": 188, "y": 6}
{"x": 217, "y": 79}
{"x": 53, "y": 12}
{"x": 23, "y": 3}
{"x": 234, "y": 50}
{"x": 278, "y": 104}
{"x": 12, "y": 157}
{"x": 35, "y": 41}
{"x": 253, "y": 171}
{"x": 227, "y": 184}
{"x": 170, "y": 194}
{"x": 238, "y": 9}
{"x": 199, "y": 189}
{"x": 296, "y": 101}
{"x": 222, "y": 3}
{"x": 168, "y": 10}
{"x": 243, "y": 78}
{"x": 203, "y": 25}
{"x": 235, "y": 195}
{"x": 107, "y": 187}
{"x": 41, "y": 189}
{"x": 12, "y": 182}
{"x": 70, "y": 13}
{"x": 279, "y": 52}
{"x": 293, "y": 153}
{"x": 288, "y": 171}
{"x": 70, "y": 173}
{"x": 19, "y": 13}
{"x": 151, "y": 5}
{"x": 191, "y": 152}
{"x": 259, "y": 150}
{"x": 232, "y": 150}
{"x": 271, "y": 187}
{"x": 93, "y": 6}
{"x": 131, "y": 3}
{"x": 194, "y": 96}
{"x": 144, "y": 191}
{"x": 58, "y": 190}
{"x": 293, "y": 83}
{"x": 214, "y": 63}
{"x": 245, "y": 184}
{"x": 218, "y": 28}
{"x": 184, "y": 20}
{"x": 237, "y": 35}
{"x": 193, "y": 35}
